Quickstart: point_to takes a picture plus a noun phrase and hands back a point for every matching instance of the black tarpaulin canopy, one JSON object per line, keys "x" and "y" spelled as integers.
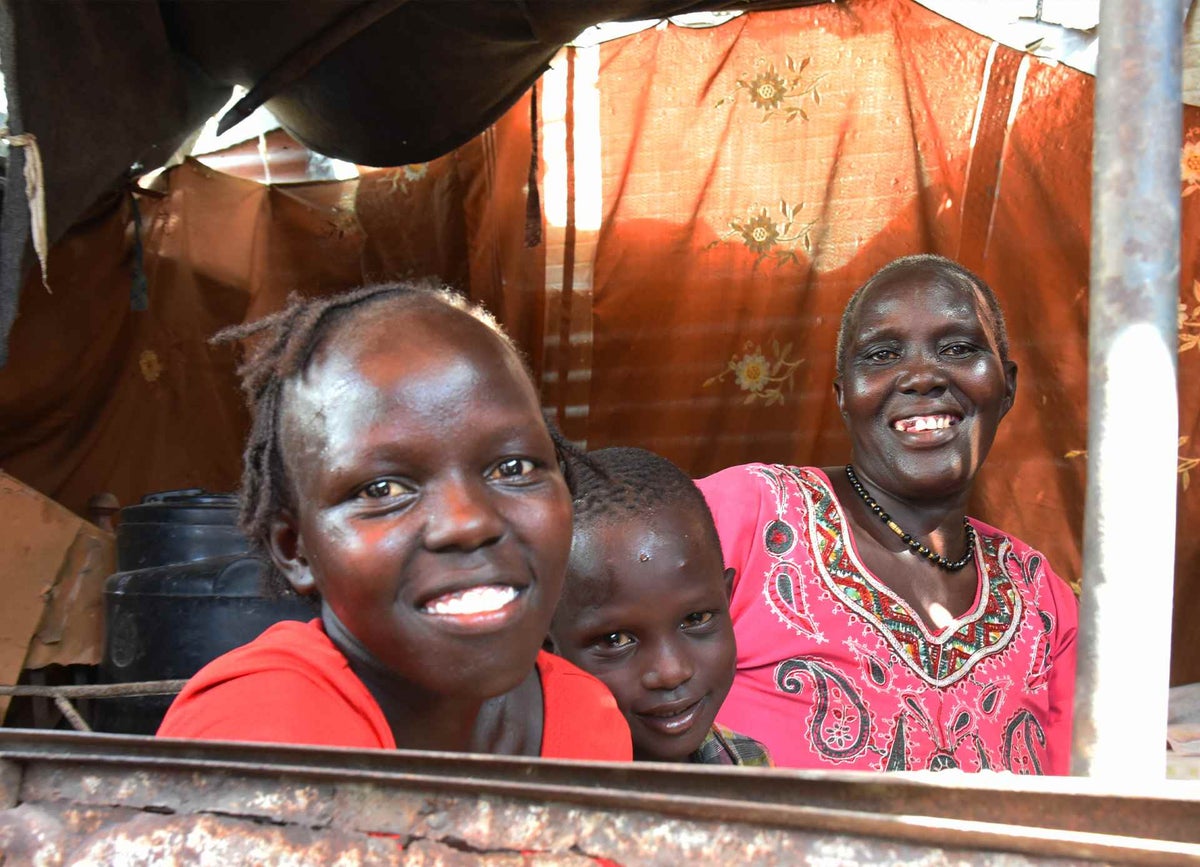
{"x": 105, "y": 85}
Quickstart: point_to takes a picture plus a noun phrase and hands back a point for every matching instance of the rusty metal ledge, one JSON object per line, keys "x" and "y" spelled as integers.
{"x": 379, "y": 792}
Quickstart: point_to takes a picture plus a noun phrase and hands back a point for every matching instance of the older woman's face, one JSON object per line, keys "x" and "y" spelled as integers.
{"x": 924, "y": 387}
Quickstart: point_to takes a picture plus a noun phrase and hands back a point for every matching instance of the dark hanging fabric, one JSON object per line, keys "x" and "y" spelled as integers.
{"x": 14, "y": 209}
{"x": 376, "y": 82}
{"x": 533, "y": 202}
{"x": 139, "y": 294}
{"x": 14, "y": 236}
{"x": 303, "y": 59}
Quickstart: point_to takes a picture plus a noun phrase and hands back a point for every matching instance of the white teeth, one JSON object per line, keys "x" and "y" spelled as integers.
{"x": 923, "y": 423}
{"x": 475, "y": 600}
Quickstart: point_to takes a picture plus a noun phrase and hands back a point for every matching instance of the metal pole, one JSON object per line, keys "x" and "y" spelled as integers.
{"x": 1133, "y": 412}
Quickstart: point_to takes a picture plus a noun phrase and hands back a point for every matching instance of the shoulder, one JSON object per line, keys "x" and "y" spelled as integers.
{"x": 289, "y": 685}
{"x": 581, "y": 719}
{"x": 748, "y": 498}
{"x": 747, "y": 489}
{"x": 724, "y": 746}
{"x": 743, "y": 477}
{"x": 756, "y": 478}
{"x": 1031, "y": 570}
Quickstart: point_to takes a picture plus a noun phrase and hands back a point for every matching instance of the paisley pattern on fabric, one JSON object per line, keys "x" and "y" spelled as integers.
{"x": 1039, "y": 674}
{"x": 939, "y": 660}
{"x": 785, "y": 594}
{"x": 840, "y": 725}
{"x": 1024, "y": 739}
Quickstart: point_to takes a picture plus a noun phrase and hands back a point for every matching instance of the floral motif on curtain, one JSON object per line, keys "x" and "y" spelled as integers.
{"x": 762, "y": 379}
{"x": 766, "y": 238}
{"x": 1189, "y": 164}
{"x": 778, "y": 95}
{"x": 401, "y": 177}
{"x": 1186, "y": 465}
{"x": 1189, "y": 320}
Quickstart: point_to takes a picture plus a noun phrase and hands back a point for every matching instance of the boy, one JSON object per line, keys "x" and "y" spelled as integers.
{"x": 646, "y": 606}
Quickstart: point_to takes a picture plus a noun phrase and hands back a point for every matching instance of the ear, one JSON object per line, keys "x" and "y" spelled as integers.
{"x": 287, "y": 550}
{"x": 728, "y": 575}
{"x": 837, "y": 393}
{"x": 1010, "y": 382}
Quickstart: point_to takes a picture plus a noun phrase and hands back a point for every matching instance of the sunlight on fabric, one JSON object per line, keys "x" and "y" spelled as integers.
{"x": 1062, "y": 31}
{"x": 572, "y": 232}
{"x": 1135, "y": 460}
{"x": 588, "y": 175}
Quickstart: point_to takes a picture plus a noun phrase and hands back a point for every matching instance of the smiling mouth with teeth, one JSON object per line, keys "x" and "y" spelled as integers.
{"x": 924, "y": 422}
{"x": 474, "y": 600}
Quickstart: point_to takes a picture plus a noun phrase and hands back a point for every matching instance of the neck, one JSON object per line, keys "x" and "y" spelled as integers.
{"x": 511, "y": 724}
{"x": 934, "y": 529}
{"x": 917, "y": 515}
{"x": 420, "y": 720}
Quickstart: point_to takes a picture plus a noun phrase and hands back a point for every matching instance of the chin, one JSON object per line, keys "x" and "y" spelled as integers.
{"x": 652, "y": 755}
{"x": 485, "y": 676}
{"x": 939, "y": 476}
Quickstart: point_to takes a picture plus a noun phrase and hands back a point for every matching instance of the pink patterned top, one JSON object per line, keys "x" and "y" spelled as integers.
{"x": 836, "y": 672}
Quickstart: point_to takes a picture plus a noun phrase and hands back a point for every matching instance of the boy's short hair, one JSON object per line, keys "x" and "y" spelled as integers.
{"x": 621, "y": 482}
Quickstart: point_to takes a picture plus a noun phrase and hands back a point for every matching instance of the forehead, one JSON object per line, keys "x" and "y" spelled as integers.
{"x": 612, "y": 557}
{"x": 400, "y": 362}
{"x": 917, "y": 299}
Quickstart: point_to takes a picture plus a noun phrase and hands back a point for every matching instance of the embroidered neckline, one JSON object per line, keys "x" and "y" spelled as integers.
{"x": 941, "y": 659}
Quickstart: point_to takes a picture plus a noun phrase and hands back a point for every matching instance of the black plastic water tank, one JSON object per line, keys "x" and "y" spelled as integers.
{"x": 187, "y": 591}
{"x": 178, "y": 527}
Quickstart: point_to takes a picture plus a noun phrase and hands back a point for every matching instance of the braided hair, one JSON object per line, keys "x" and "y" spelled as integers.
{"x": 620, "y": 483}
{"x": 284, "y": 345}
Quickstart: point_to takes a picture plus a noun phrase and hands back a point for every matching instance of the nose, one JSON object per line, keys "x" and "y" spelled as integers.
{"x": 461, "y": 516}
{"x": 921, "y": 374}
{"x": 669, "y": 666}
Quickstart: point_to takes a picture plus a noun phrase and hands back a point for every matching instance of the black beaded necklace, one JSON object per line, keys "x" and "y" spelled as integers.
{"x": 932, "y": 556}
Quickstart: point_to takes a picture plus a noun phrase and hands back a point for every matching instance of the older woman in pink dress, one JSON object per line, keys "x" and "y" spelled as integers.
{"x": 878, "y": 626}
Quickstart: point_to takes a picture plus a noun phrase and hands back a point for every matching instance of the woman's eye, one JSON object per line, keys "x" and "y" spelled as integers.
{"x": 513, "y": 468}
{"x": 381, "y": 489}
{"x": 698, "y": 618}
{"x": 615, "y": 640}
{"x": 958, "y": 350}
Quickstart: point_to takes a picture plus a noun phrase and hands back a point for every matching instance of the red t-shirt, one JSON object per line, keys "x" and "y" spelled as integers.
{"x": 291, "y": 685}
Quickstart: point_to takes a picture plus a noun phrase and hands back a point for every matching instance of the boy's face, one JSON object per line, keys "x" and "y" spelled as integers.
{"x": 647, "y": 612}
{"x": 430, "y": 511}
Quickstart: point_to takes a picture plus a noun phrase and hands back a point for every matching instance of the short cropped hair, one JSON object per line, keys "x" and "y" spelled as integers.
{"x": 621, "y": 483}
{"x": 944, "y": 270}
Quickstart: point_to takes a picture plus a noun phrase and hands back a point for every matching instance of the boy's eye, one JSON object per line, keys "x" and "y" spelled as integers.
{"x": 881, "y": 355}
{"x": 513, "y": 468}
{"x": 381, "y": 489}
{"x": 958, "y": 350}
{"x": 698, "y": 618}
{"x": 616, "y": 640}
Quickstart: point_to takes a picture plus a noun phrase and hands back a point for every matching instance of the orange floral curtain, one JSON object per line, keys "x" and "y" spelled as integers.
{"x": 710, "y": 199}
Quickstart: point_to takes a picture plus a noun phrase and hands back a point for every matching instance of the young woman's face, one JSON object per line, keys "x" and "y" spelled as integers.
{"x": 648, "y": 614}
{"x": 924, "y": 387}
{"x": 430, "y": 511}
